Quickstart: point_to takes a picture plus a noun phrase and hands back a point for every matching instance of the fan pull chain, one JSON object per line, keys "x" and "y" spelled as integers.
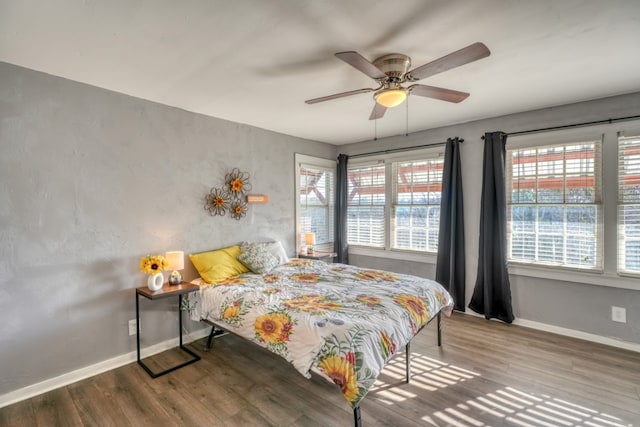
{"x": 407, "y": 118}
{"x": 375, "y": 130}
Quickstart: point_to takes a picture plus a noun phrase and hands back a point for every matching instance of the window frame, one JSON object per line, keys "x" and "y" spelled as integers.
{"x": 428, "y": 207}
{"x": 350, "y": 205}
{"x": 328, "y": 165}
{"x": 621, "y": 235}
{"x": 565, "y": 204}
{"x": 437, "y": 150}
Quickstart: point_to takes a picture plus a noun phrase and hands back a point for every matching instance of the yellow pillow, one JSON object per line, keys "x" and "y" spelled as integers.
{"x": 216, "y": 266}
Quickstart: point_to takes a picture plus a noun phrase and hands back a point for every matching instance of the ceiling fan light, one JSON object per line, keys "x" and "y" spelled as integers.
{"x": 391, "y": 97}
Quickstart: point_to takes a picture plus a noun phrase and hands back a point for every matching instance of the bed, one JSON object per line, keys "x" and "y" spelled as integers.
{"x": 340, "y": 321}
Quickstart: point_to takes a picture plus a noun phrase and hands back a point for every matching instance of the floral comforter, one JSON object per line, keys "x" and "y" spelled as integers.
{"x": 342, "y": 321}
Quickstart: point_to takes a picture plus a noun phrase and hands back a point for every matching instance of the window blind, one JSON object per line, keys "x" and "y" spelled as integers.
{"x": 629, "y": 204}
{"x": 317, "y": 207}
{"x": 417, "y": 192}
{"x": 554, "y": 204}
{"x": 365, "y": 205}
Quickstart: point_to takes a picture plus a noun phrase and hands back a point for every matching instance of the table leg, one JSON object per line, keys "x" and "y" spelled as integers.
{"x": 138, "y": 325}
{"x": 180, "y": 318}
{"x": 194, "y": 357}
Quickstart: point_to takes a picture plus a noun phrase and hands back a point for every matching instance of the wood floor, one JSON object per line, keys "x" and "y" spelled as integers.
{"x": 485, "y": 374}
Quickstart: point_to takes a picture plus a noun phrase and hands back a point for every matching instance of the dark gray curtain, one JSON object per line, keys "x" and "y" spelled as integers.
{"x": 492, "y": 293}
{"x": 340, "y": 236}
{"x": 450, "y": 269}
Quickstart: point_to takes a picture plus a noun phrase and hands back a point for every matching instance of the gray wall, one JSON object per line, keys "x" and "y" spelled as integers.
{"x": 578, "y": 306}
{"x": 90, "y": 181}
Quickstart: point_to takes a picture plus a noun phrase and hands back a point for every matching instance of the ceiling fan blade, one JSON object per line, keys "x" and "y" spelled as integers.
{"x": 338, "y": 95}
{"x": 360, "y": 63}
{"x": 460, "y": 57}
{"x": 438, "y": 93}
{"x": 377, "y": 112}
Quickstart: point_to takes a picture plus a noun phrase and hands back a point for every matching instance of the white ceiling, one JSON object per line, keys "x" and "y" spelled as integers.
{"x": 256, "y": 61}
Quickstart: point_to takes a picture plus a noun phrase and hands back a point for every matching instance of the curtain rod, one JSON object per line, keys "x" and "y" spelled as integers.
{"x": 415, "y": 147}
{"x": 575, "y": 125}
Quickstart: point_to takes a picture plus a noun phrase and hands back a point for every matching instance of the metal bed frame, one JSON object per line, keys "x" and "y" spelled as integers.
{"x": 356, "y": 411}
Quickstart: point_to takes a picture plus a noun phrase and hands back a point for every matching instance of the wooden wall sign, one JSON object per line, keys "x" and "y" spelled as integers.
{"x": 257, "y": 198}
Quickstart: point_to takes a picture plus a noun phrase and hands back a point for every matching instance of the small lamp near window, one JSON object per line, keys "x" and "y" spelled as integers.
{"x": 310, "y": 240}
{"x": 175, "y": 259}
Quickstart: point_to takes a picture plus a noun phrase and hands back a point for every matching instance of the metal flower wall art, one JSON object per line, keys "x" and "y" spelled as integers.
{"x": 238, "y": 209}
{"x": 230, "y": 197}
{"x": 217, "y": 201}
{"x": 237, "y": 183}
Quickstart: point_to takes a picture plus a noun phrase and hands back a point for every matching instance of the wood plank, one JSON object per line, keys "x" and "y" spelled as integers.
{"x": 56, "y": 408}
{"x": 95, "y": 406}
{"x": 18, "y": 415}
{"x": 139, "y": 403}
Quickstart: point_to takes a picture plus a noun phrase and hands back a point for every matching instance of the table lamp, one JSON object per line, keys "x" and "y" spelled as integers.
{"x": 175, "y": 259}
{"x": 310, "y": 240}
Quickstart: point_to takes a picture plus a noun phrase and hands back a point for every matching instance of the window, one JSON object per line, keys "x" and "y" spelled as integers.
{"x": 365, "y": 205}
{"x": 554, "y": 205}
{"x": 394, "y": 201}
{"x": 629, "y": 204}
{"x": 315, "y": 187}
{"x": 417, "y": 192}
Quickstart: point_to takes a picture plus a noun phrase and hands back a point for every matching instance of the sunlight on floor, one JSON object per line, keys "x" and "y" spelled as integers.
{"x": 508, "y": 406}
{"x": 525, "y": 410}
{"x": 426, "y": 374}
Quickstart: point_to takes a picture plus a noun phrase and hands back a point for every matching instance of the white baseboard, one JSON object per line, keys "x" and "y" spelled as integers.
{"x": 626, "y": 345}
{"x": 613, "y": 342}
{"x": 95, "y": 369}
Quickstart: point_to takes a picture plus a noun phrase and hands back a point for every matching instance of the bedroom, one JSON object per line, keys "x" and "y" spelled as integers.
{"x": 96, "y": 175}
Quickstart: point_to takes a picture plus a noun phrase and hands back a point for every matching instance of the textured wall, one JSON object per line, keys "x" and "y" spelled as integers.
{"x": 90, "y": 181}
{"x": 571, "y": 305}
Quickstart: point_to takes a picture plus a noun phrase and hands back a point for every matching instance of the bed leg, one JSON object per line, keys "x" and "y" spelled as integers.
{"x": 356, "y": 417}
{"x": 439, "y": 329}
{"x": 207, "y": 346}
{"x": 214, "y": 333}
{"x": 408, "y": 364}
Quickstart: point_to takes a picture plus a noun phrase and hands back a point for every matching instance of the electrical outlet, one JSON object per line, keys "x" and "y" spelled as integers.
{"x": 132, "y": 327}
{"x": 619, "y": 314}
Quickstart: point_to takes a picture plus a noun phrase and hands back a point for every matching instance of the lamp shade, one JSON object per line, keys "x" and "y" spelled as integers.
{"x": 175, "y": 259}
{"x": 391, "y": 97}
{"x": 310, "y": 238}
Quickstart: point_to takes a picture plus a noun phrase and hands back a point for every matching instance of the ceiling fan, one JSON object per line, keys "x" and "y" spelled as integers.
{"x": 391, "y": 71}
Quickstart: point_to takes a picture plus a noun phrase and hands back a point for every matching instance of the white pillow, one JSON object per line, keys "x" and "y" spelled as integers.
{"x": 278, "y": 251}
